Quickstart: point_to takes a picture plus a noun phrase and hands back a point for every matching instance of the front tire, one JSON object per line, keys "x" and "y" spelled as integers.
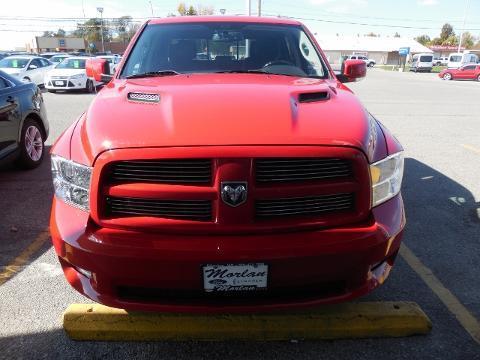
{"x": 478, "y": 78}
{"x": 447, "y": 76}
{"x": 32, "y": 145}
{"x": 89, "y": 86}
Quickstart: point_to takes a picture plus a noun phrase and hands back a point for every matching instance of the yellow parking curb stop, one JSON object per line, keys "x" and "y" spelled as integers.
{"x": 349, "y": 320}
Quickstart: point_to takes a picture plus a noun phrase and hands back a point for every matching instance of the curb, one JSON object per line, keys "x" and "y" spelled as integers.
{"x": 350, "y": 320}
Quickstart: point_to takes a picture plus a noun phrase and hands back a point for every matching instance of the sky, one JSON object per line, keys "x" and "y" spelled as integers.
{"x": 20, "y": 23}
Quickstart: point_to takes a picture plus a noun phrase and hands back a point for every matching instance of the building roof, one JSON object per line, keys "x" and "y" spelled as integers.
{"x": 368, "y": 43}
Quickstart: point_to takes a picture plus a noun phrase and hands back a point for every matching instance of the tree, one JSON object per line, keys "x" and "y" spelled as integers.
{"x": 446, "y": 32}
{"x": 91, "y": 30}
{"x": 423, "y": 39}
{"x": 397, "y": 35}
{"x": 48, "y": 34}
{"x": 122, "y": 25}
{"x": 184, "y": 10}
{"x": 371, "y": 34}
{"x": 61, "y": 33}
{"x": 467, "y": 40}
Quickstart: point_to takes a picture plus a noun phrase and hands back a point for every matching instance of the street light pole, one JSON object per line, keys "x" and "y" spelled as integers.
{"x": 463, "y": 27}
{"x": 151, "y": 8}
{"x": 100, "y": 10}
{"x": 259, "y": 7}
{"x": 249, "y": 7}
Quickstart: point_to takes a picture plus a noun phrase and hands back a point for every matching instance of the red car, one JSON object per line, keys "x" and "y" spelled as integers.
{"x": 226, "y": 168}
{"x": 466, "y": 72}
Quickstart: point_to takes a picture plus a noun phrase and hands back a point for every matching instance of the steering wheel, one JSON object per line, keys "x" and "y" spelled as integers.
{"x": 278, "y": 62}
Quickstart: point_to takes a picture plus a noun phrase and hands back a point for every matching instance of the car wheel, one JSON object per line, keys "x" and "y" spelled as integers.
{"x": 478, "y": 78}
{"x": 447, "y": 76}
{"x": 89, "y": 87}
{"x": 32, "y": 145}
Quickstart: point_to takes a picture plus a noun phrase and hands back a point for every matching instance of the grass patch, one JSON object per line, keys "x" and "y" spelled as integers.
{"x": 435, "y": 69}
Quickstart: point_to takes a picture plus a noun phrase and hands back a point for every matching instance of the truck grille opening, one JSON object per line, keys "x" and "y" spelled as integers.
{"x": 300, "y": 169}
{"x": 199, "y": 210}
{"x": 304, "y": 206}
{"x": 189, "y": 171}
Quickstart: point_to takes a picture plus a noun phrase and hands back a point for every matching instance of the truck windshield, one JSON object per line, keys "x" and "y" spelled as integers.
{"x": 225, "y": 47}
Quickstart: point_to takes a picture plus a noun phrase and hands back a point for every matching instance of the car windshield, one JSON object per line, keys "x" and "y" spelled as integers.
{"x": 225, "y": 47}
{"x": 14, "y": 63}
{"x": 71, "y": 64}
{"x": 455, "y": 58}
{"x": 57, "y": 59}
{"x": 426, "y": 58}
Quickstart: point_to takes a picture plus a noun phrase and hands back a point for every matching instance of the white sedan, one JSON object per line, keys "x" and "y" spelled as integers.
{"x": 70, "y": 74}
{"x": 26, "y": 67}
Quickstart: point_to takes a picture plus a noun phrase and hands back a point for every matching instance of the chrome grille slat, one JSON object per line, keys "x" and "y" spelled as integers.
{"x": 200, "y": 210}
{"x": 300, "y": 169}
{"x": 171, "y": 171}
{"x": 309, "y": 205}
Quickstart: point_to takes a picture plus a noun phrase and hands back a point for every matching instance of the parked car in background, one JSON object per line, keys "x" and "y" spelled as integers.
{"x": 369, "y": 62}
{"x": 466, "y": 72}
{"x": 159, "y": 207}
{"x": 23, "y": 122}
{"x": 58, "y": 58}
{"x": 48, "y": 55}
{"x": 26, "y": 67}
{"x": 422, "y": 62}
{"x": 457, "y": 60}
{"x": 69, "y": 75}
{"x": 113, "y": 61}
{"x": 3, "y": 55}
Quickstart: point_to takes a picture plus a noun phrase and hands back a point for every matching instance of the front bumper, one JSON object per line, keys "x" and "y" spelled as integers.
{"x": 154, "y": 271}
{"x": 66, "y": 84}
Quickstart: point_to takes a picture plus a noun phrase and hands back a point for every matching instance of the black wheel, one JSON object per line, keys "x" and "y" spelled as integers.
{"x": 90, "y": 86}
{"x": 447, "y": 76}
{"x": 32, "y": 145}
{"x": 478, "y": 78}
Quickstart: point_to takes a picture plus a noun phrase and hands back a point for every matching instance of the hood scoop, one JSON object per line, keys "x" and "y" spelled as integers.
{"x": 143, "y": 97}
{"x": 313, "y": 96}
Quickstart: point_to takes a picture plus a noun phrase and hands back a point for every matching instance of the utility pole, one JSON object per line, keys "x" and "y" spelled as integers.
{"x": 249, "y": 7}
{"x": 463, "y": 27}
{"x": 259, "y": 7}
{"x": 151, "y": 8}
{"x": 100, "y": 10}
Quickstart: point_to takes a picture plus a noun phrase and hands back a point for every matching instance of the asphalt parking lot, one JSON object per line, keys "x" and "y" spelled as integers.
{"x": 439, "y": 125}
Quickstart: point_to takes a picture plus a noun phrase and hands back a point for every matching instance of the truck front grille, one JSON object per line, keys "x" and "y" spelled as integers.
{"x": 304, "y": 206}
{"x": 188, "y": 171}
{"x": 300, "y": 169}
{"x": 200, "y": 210}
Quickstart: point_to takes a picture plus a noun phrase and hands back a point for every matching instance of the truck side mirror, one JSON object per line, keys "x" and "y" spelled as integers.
{"x": 98, "y": 69}
{"x": 352, "y": 70}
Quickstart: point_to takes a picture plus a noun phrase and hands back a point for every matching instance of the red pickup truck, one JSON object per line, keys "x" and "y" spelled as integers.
{"x": 225, "y": 167}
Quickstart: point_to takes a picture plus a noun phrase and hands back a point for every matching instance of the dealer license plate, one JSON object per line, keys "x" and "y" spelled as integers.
{"x": 59, "y": 83}
{"x": 235, "y": 277}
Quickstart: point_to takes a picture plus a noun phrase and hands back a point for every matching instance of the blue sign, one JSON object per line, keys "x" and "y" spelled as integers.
{"x": 404, "y": 51}
{"x": 61, "y": 42}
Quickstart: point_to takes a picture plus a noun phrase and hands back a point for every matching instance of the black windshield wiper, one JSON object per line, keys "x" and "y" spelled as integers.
{"x": 253, "y": 72}
{"x": 243, "y": 72}
{"x": 153, "y": 74}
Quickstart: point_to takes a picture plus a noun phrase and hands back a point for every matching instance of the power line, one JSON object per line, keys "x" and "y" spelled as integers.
{"x": 363, "y": 24}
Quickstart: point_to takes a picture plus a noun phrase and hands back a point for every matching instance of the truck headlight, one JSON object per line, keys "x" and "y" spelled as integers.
{"x": 71, "y": 182}
{"x": 386, "y": 178}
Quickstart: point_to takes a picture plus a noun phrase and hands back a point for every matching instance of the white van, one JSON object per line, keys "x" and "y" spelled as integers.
{"x": 457, "y": 60}
{"x": 422, "y": 62}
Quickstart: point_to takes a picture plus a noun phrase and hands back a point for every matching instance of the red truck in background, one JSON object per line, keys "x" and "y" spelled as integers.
{"x": 226, "y": 168}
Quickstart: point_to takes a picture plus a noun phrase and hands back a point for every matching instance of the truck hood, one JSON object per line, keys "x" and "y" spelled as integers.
{"x": 224, "y": 109}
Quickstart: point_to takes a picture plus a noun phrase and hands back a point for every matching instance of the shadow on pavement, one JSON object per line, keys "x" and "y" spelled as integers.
{"x": 25, "y": 198}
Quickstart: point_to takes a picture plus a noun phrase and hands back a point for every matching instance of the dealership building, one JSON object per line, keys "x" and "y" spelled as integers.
{"x": 65, "y": 44}
{"x": 384, "y": 50}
